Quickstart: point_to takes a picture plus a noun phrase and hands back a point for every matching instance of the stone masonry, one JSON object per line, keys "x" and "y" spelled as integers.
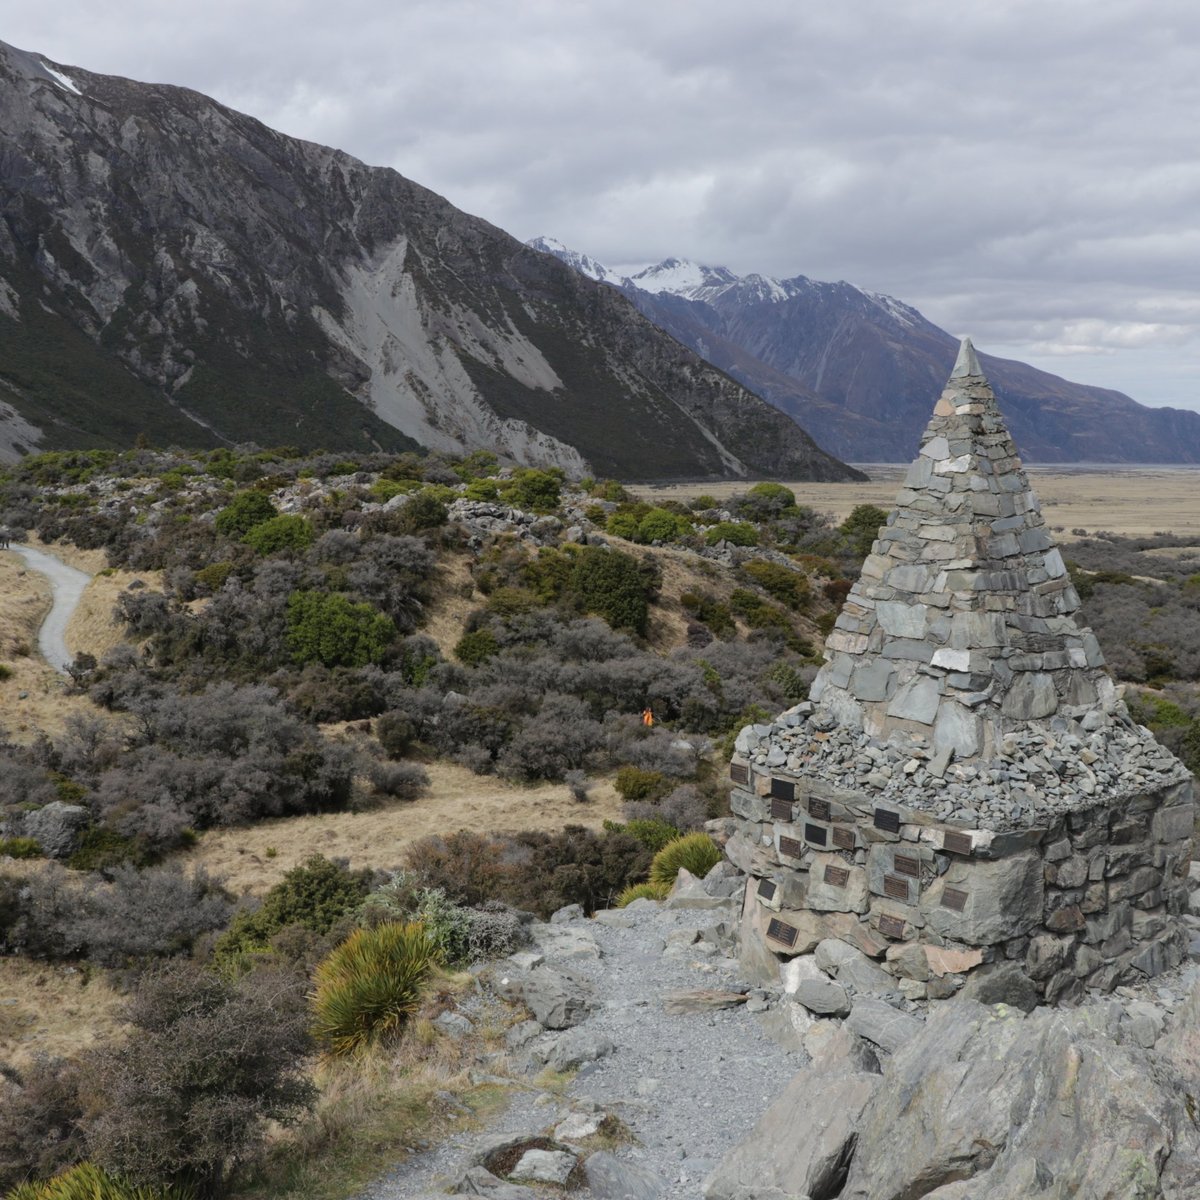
{"x": 964, "y": 785}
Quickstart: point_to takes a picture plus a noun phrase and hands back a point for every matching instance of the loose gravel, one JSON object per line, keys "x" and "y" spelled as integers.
{"x": 689, "y": 1086}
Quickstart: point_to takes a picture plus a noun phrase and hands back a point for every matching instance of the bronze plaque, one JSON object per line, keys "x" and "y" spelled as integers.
{"x": 781, "y": 810}
{"x": 955, "y": 899}
{"x": 956, "y": 843}
{"x": 766, "y": 889}
{"x": 739, "y": 772}
{"x": 891, "y": 926}
{"x": 907, "y": 864}
{"x": 887, "y": 820}
{"x": 895, "y": 887}
{"x": 817, "y": 834}
{"x": 784, "y": 789}
{"x": 843, "y": 838}
{"x": 781, "y": 931}
{"x": 818, "y": 810}
{"x": 837, "y": 876}
{"x": 791, "y": 847}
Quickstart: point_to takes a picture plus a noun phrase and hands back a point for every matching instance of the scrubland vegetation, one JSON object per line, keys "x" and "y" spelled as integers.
{"x": 286, "y": 667}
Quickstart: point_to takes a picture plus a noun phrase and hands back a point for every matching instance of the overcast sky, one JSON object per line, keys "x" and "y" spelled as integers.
{"x": 1026, "y": 171}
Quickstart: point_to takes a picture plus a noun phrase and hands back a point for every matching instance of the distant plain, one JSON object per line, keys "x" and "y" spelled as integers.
{"x": 1134, "y": 501}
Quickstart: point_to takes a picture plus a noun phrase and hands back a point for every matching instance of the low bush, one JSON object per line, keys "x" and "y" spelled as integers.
{"x": 279, "y": 534}
{"x": 634, "y": 783}
{"x": 316, "y": 895}
{"x": 476, "y": 647}
{"x": 400, "y": 780}
{"x": 736, "y": 533}
{"x": 653, "y": 833}
{"x": 789, "y": 587}
{"x": 41, "y": 1121}
{"x": 20, "y": 847}
{"x": 396, "y": 734}
{"x": 696, "y": 852}
{"x": 243, "y": 512}
{"x": 370, "y": 985}
{"x": 643, "y": 891}
{"x": 327, "y": 628}
{"x": 88, "y": 1182}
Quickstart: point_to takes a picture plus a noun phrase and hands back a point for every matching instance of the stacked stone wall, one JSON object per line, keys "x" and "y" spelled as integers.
{"x": 1086, "y": 899}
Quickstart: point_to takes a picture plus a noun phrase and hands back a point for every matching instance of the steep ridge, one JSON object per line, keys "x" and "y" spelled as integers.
{"x": 856, "y": 367}
{"x": 171, "y": 267}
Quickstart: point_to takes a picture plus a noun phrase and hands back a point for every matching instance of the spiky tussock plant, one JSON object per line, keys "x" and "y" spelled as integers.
{"x": 695, "y": 851}
{"x": 643, "y": 891}
{"x": 369, "y": 986}
{"x": 88, "y": 1182}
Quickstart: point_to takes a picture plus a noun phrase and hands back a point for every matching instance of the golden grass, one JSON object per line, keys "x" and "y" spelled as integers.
{"x": 1134, "y": 503}
{"x": 446, "y": 613}
{"x": 456, "y": 799}
{"x": 53, "y": 1009}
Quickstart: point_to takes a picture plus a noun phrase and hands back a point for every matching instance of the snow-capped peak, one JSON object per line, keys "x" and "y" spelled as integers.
{"x": 582, "y": 263}
{"x": 683, "y": 278}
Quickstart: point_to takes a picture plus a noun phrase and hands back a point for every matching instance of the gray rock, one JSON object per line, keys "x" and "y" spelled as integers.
{"x": 522, "y": 1034}
{"x": 1001, "y": 983}
{"x": 556, "y": 998}
{"x": 572, "y": 912}
{"x": 562, "y": 943}
{"x": 880, "y": 1023}
{"x": 689, "y": 892}
{"x": 545, "y": 1166}
{"x": 1020, "y": 1106}
{"x": 823, "y": 997}
{"x": 798, "y": 1148}
{"x": 453, "y": 1025}
{"x": 608, "y": 1178}
{"x": 56, "y": 827}
{"x": 574, "y": 1048}
{"x": 1004, "y": 899}
{"x": 579, "y": 1126}
{"x": 478, "y": 1181}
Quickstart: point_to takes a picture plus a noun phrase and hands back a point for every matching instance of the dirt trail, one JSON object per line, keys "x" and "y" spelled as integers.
{"x": 67, "y": 586}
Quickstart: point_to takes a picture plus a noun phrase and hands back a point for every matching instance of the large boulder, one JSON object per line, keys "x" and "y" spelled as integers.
{"x": 56, "y": 827}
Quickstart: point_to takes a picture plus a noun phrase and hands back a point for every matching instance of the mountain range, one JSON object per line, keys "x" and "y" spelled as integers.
{"x": 859, "y": 370}
{"x": 173, "y": 268}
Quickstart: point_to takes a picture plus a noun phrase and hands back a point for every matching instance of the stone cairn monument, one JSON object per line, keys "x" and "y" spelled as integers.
{"x": 964, "y": 786}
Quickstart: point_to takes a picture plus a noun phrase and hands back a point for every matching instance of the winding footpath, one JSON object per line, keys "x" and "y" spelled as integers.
{"x": 67, "y": 585}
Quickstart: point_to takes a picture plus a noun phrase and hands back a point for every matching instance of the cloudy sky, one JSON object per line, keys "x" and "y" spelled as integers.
{"x": 1027, "y": 171}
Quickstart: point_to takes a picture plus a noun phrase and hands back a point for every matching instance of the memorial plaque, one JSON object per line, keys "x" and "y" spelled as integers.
{"x": 818, "y": 810}
{"x": 908, "y": 864}
{"x": 843, "y": 838}
{"x": 891, "y": 926}
{"x": 837, "y": 876}
{"x": 791, "y": 847}
{"x": 784, "y": 789}
{"x": 956, "y": 843}
{"x": 781, "y": 931}
{"x": 895, "y": 887}
{"x": 817, "y": 834}
{"x": 887, "y": 820}
{"x": 955, "y": 899}
{"x": 739, "y": 772}
{"x": 766, "y": 889}
{"x": 781, "y": 810}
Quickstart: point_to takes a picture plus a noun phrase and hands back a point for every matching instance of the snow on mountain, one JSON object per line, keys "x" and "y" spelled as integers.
{"x": 583, "y": 263}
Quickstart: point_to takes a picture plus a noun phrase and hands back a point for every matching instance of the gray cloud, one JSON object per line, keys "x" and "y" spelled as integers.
{"x": 1023, "y": 170}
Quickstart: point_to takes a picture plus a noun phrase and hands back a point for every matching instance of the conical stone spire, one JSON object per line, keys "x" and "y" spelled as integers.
{"x": 961, "y": 628}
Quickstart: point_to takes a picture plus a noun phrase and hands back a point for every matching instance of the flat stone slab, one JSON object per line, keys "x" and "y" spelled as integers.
{"x": 702, "y": 1000}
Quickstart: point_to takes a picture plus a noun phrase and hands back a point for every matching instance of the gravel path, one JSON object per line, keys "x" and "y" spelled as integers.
{"x": 66, "y": 585}
{"x": 670, "y": 1078}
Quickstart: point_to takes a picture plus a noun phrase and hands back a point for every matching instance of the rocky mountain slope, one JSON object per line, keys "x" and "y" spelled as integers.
{"x": 857, "y": 369}
{"x": 171, "y": 267}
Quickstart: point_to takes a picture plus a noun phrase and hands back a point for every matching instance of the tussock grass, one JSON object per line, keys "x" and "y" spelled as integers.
{"x": 696, "y": 852}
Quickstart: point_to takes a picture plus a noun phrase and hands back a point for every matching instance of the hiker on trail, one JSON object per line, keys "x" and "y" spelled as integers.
{"x": 647, "y": 716}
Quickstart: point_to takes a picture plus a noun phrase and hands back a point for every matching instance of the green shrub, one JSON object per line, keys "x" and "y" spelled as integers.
{"x": 696, "y": 852}
{"x": 532, "y": 489}
{"x": 789, "y": 587}
{"x": 622, "y": 525}
{"x": 861, "y": 528}
{"x": 316, "y": 895}
{"x": 483, "y": 489}
{"x": 424, "y": 511}
{"x": 643, "y": 891}
{"x": 214, "y": 575}
{"x": 88, "y": 1182}
{"x": 776, "y": 493}
{"x": 20, "y": 847}
{"x": 714, "y": 613}
{"x": 611, "y": 490}
{"x": 383, "y": 490}
{"x": 660, "y": 525}
{"x": 6, "y": 672}
{"x": 243, "y": 512}
{"x": 279, "y": 534}
{"x": 636, "y": 783}
{"x": 737, "y": 533}
{"x": 612, "y": 585}
{"x": 100, "y": 848}
{"x": 370, "y": 985}
{"x": 653, "y": 833}
{"x": 702, "y": 503}
{"x": 396, "y": 733}
{"x": 476, "y": 647}
{"x": 329, "y": 629}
